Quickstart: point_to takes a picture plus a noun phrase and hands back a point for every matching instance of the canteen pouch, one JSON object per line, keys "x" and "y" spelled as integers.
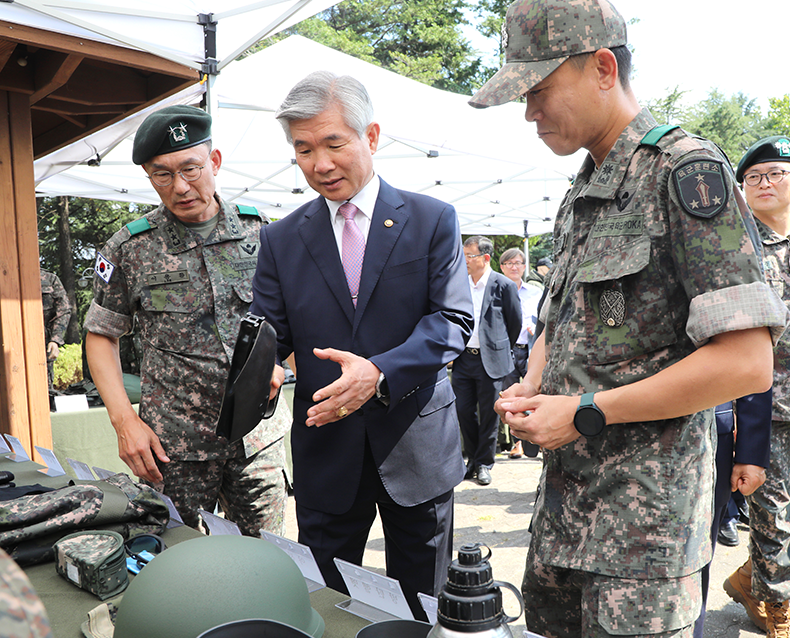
{"x": 93, "y": 560}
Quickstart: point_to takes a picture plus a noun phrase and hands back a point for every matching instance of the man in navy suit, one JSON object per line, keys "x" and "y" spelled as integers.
{"x": 740, "y": 466}
{"x": 374, "y": 421}
{"x": 479, "y": 373}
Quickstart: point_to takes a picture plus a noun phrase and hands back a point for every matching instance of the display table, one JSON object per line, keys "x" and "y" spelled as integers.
{"x": 68, "y": 606}
{"x": 87, "y": 436}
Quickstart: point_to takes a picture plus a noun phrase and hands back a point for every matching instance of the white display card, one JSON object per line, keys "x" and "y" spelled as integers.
{"x": 81, "y": 470}
{"x": 218, "y": 526}
{"x": 373, "y": 597}
{"x": 302, "y": 555}
{"x": 103, "y": 474}
{"x": 430, "y": 605}
{"x": 54, "y": 468}
{"x": 20, "y": 454}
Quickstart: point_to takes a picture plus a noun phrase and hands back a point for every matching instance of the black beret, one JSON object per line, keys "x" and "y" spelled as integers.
{"x": 545, "y": 261}
{"x": 170, "y": 129}
{"x": 769, "y": 149}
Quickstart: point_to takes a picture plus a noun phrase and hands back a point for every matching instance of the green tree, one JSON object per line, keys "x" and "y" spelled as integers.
{"x": 779, "y": 114}
{"x": 70, "y": 232}
{"x": 734, "y": 123}
{"x": 419, "y": 39}
{"x": 539, "y": 246}
{"x": 668, "y": 109}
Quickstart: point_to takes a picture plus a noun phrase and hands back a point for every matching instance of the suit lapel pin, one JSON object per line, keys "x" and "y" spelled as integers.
{"x": 389, "y": 223}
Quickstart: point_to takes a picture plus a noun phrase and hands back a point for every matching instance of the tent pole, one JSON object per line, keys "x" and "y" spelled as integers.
{"x": 526, "y": 246}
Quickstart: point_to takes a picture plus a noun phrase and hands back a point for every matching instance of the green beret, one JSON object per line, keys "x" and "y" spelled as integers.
{"x": 170, "y": 129}
{"x": 769, "y": 149}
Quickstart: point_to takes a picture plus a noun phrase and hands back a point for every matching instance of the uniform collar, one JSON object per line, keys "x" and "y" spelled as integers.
{"x": 180, "y": 238}
{"x": 607, "y": 179}
{"x": 768, "y": 235}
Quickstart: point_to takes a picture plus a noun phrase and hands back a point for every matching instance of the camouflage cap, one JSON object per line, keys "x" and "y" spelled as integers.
{"x": 170, "y": 129}
{"x": 539, "y": 35}
{"x": 768, "y": 149}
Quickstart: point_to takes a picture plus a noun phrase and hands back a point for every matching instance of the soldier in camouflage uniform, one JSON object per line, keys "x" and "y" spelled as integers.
{"x": 184, "y": 272}
{"x": 762, "y": 584}
{"x": 57, "y": 313}
{"x": 656, "y": 288}
{"x": 22, "y": 614}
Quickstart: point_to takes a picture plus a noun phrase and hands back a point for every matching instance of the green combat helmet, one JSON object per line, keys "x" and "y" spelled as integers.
{"x": 196, "y": 585}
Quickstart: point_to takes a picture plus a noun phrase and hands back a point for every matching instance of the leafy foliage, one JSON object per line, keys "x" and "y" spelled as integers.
{"x": 419, "y": 39}
{"x": 779, "y": 114}
{"x": 68, "y": 366}
{"x": 734, "y": 123}
{"x": 539, "y": 246}
{"x": 91, "y": 223}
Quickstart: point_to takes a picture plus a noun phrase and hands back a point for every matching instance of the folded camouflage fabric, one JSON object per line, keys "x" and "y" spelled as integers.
{"x": 30, "y": 525}
{"x": 101, "y": 621}
{"x": 93, "y": 560}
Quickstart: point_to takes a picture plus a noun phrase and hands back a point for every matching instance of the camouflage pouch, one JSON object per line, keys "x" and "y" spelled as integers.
{"x": 93, "y": 560}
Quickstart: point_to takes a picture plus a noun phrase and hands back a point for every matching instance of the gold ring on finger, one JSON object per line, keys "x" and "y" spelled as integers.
{"x": 342, "y": 411}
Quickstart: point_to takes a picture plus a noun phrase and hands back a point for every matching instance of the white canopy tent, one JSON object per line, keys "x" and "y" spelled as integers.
{"x": 68, "y": 69}
{"x": 182, "y": 31}
{"x": 488, "y": 163}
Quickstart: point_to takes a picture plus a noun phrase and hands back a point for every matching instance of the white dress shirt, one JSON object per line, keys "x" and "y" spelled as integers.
{"x": 478, "y": 290}
{"x": 365, "y": 201}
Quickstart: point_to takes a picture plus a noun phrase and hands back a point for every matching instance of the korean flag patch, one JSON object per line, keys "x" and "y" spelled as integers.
{"x": 104, "y": 267}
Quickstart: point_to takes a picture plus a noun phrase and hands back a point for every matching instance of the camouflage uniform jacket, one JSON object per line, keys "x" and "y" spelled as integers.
{"x": 636, "y": 501}
{"x": 776, "y": 257}
{"x": 189, "y": 295}
{"x": 22, "y": 614}
{"x": 57, "y": 310}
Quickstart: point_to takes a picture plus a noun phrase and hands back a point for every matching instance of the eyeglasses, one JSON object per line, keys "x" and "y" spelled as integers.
{"x": 468, "y": 257}
{"x": 513, "y": 264}
{"x": 142, "y": 549}
{"x": 773, "y": 177}
{"x": 165, "y": 178}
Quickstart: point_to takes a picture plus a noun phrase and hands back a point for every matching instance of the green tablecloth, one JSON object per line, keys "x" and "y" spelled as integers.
{"x": 87, "y": 436}
{"x": 68, "y": 606}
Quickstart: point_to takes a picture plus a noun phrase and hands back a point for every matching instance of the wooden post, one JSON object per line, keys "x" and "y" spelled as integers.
{"x": 24, "y": 397}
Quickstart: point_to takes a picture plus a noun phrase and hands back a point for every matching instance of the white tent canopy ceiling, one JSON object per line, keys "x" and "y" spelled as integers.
{"x": 85, "y": 65}
{"x": 69, "y": 69}
{"x": 178, "y": 30}
{"x": 488, "y": 163}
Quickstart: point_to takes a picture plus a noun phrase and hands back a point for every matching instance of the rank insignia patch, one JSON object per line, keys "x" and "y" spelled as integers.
{"x": 701, "y": 188}
{"x": 104, "y": 267}
{"x": 178, "y": 134}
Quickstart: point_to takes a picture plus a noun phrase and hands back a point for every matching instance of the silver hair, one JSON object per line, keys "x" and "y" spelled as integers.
{"x": 320, "y": 91}
{"x": 512, "y": 253}
{"x": 484, "y": 245}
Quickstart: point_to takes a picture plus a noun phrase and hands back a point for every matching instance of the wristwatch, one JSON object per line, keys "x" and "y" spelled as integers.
{"x": 589, "y": 420}
{"x": 383, "y": 390}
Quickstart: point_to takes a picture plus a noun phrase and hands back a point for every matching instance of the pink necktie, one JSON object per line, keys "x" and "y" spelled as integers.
{"x": 353, "y": 249}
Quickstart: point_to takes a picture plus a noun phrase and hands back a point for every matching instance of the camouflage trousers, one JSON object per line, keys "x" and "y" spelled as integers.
{"x": 568, "y": 603}
{"x": 769, "y": 522}
{"x": 251, "y": 491}
{"x": 22, "y": 614}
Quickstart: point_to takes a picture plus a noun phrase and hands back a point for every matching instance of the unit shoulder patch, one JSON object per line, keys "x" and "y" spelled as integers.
{"x": 701, "y": 188}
